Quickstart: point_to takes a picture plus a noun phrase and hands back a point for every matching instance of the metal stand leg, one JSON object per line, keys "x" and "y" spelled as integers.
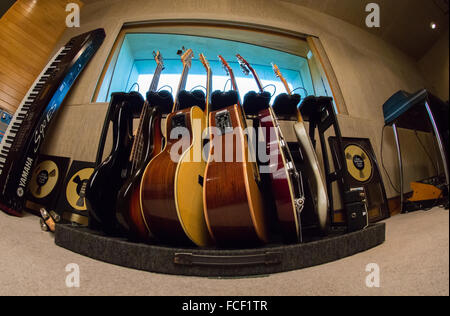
{"x": 400, "y": 164}
{"x": 439, "y": 141}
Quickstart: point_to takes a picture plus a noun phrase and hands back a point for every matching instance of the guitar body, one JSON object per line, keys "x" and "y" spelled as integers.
{"x": 189, "y": 184}
{"x": 234, "y": 205}
{"x": 171, "y": 192}
{"x": 129, "y": 211}
{"x": 109, "y": 176}
{"x": 286, "y": 190}
{"x": 314, "y": 175}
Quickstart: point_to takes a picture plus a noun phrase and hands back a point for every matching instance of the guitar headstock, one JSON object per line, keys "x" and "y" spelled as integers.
{"x": 283, "y": 80}
{"x": 186, "y": 56}
{"x": 159, "y": 59}
{"x": 225, "y": 65}
{"x": 247, "y": 69}
{"x": 245, "y": 66}
{"x": 229, "y": 72}
{"x": 277, "y": 71}
{"x": 204, "y": 62}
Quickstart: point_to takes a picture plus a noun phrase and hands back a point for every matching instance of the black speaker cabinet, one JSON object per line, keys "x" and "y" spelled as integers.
{"x": 363, "y": 171}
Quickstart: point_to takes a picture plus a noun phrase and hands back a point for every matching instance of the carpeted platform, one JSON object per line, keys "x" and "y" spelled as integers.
{"x": 217, "y": 263}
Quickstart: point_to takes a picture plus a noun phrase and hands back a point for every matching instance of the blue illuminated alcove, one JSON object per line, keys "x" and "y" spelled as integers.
{"x": 135, "y": 65}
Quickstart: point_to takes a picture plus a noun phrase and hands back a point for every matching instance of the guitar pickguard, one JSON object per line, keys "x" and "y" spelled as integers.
{"x": 179, "y": 120}
{"x": 223, "y": 122}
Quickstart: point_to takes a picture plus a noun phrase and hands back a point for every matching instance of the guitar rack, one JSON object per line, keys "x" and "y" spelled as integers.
{"x": 320, "y": 113}
{"x": 213, "y": 262}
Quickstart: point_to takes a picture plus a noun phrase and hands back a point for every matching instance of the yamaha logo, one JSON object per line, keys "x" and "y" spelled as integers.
{"x": 20, "y": 192}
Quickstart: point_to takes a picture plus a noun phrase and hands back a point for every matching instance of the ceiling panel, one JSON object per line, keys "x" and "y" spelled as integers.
{"x": 404, "y": 23}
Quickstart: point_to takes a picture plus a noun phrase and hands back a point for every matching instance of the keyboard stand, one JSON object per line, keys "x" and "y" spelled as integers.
{"x": 405, "y": 110}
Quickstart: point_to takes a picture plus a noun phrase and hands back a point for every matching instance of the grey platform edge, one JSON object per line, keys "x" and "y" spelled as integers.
{"x": 213, "y": 262}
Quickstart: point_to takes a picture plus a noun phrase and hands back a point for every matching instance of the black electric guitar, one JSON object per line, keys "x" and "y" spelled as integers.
{"x": 147, "y": 144}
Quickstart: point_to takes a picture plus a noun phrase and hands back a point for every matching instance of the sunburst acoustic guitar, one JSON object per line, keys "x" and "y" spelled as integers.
{"x": 171, "y": 194}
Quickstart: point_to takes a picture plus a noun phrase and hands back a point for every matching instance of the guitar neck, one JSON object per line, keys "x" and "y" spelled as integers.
{"x": 208, "y": 91}
{"x": 137, "y": 144}
{"x": 181, "y": 86}
{"x": 156, "y": 77}
{"x": 288, "y": 89}
{"x": 234, "y": 84}
{"x": 286, "y": 85}
{"x": 258, "y": 81}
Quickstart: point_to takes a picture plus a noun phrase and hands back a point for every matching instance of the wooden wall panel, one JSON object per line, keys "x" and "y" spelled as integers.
{"x": 29, "y": 32}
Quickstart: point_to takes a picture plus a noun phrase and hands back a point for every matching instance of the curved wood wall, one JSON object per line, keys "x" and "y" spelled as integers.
{"x": 28, "y": 35}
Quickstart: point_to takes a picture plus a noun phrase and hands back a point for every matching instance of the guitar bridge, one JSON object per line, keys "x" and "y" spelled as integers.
{"x": 299, "y": 205}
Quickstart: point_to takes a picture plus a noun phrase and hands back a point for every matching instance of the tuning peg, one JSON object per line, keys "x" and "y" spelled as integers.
{"x": 181, "y": 51}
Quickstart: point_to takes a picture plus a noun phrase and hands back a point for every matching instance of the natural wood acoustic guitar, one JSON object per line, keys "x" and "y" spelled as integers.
{"x": 172, "y": 192}
{"x": 234, "y": 206}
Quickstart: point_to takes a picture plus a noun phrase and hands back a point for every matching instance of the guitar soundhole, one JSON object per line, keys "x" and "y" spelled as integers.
{"x": 179, "y": 121}
{"x": 223, "y": 122}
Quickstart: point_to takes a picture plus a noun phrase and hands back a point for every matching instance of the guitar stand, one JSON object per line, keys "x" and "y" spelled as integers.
{"x": 213, "y": 262}
{"x": 320, "y": 114}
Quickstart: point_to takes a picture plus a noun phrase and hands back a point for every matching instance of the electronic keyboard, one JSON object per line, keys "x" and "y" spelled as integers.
{"x": 26, "y": 131}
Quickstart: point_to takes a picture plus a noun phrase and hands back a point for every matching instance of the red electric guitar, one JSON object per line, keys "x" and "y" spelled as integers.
{"x": 286, "y": 181}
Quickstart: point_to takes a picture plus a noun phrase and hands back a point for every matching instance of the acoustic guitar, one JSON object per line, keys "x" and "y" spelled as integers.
{"x": 285, "y": 179}
{"x": 147, "y": 144}
{"x": 171, "y": 194}
{"x": 314, "y": 178}
{"x": 234, "y": 206}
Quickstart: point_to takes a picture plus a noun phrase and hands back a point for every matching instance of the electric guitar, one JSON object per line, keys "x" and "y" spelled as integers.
{"x": 171, "y": 194}
{"x": 312, "y": 169}
{"x": 234, "y": 206}
{"x": 286, "y": 181}
{"x": 147, "y": 144}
